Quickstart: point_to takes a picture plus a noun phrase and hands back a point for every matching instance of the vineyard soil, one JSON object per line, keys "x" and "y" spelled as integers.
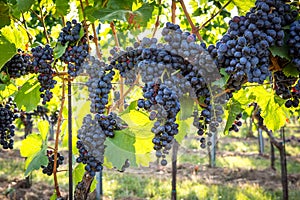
{"x": 252, "y": 179}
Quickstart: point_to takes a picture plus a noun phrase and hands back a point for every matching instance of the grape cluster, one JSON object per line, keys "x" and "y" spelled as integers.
{"x": 19, "y": 65}
{"x": 243, "y": 50}
{"x": 283, "y": 86}
{"x": 41, "y": 111}
{"x": 294, "y": 43}
{"x": 7, "y": 129}
{"x": 182, "y": 65}
{"x": 42, "y": 60}
{"x": 53, "y": 118}
{"x": 99, "y": 83}
{"x": 49, "y": 168}
{"x": 237, "y": 123}
{"x": 109, "y": 123}
{"x": 77, "y": 48}
{"x": 163, "y": 105}
{"x": 27, "y": 121}
{"x": 91, "y": 145}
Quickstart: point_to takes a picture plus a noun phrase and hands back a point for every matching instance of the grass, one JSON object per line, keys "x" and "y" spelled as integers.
{"x": 233, "y": 153}
{"x": 117, "y": 186}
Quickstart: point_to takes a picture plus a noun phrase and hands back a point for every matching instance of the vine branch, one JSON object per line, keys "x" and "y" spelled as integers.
{"x": 25, "y": 26}
{"x": 113, "y": 28}
{"x": 42, "y": 19}
{"x": 173, "y": 8}
{"x": 157, "y": 18}
{"x": 56, "y": 186}
{"x": 194, "y": 28}
{"x": 213, "y": 16}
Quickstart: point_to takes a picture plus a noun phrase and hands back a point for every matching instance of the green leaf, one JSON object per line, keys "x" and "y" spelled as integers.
{"x": 53, "y": 196}
{"x": 24, "y": 5}
{"x": 143, "y": 14}
{"x": 78, "y": 173}
{"x": 183, "y": 129}
{"x": 7, "y": 50}
{"x": 15, "y": 35}
{"x": 28, "y": 96}
{"x": 43, "y": 127}
{"x": 273, "y": 113}
{"x": 290, "y": 70}
{"x": 4, "y": 14}
{"x": 107, "y": 14}
{"x": 34, "y": 162}
{"x": 62, "y": 7}
{"x": 59, "y": 50}
{"x": 187, "y": 105}
{"x": 282, "y": 52}
{"x": 234, "y": 109}
{"x": 33, "y": 149}
{"x": 243, "y": 6}
{"x": 31, "y": 145}
{"x": 117, "y": 4}
{"x": 120, "y": 148}
{"x": 136, "y": 119}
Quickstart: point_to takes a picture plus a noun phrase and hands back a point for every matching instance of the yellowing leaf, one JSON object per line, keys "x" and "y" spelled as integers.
{"x": 31, "y": 145}
{"x": 43, "y": 127}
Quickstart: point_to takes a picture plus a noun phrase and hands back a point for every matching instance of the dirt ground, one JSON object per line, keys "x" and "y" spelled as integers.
{"x": 14, "y": 189}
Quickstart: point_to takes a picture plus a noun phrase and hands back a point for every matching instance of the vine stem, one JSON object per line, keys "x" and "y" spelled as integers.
{"x": 121, "y": 101}
{"x": 157, "y": 18}
{"x": 85, "y": 26}
{"x": 25, "y": 26}
{"x": 44, "y": 25}
{"x": 213, "y": 16}
{"x": 113, "y": 28}
{"x": 173, "y": 8}
{"x": 194, "y": 28}
{"x": 56, "y": 186}
{"x": 95, "y": 39}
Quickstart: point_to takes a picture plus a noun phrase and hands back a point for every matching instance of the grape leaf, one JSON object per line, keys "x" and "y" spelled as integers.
{"x": 34, "y": 150}
{"x": 15, "y": 35}
{"x": 120, "y": 148}
{"x": 4, "y": 15}
{"x": 186, "y": 109}
{"x": 43, "y": 127}
{"x": 282, "y": 52}
{"x": 28, "y": 96}
{"x": 78, "y": 173}
{"x": 34, "y": 162}
{"x": 7, "y": 49}
{"x": 290, "y": 70}
{"x": 243, "y": 6}
{"x": 273, "y": 113}
{"x": 117, "y": 4}
{"x": 62, "y": 7}
{"x": 59, "y": 50}
{"x": 183, "y": 129}
{"x": 107, "y": 14}
{"x": 143, "y": 14}
{"x": 31, "y": 145}
{"x": 234, "y": 109}
{"x": 24, "y": 5}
